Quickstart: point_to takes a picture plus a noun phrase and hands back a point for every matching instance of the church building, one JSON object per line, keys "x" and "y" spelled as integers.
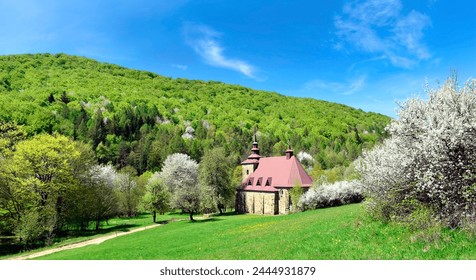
{"x": 267, "y": 182}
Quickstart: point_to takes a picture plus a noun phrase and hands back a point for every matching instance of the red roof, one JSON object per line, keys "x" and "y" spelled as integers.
{"x": 250, "y": 161}
{"x": 277, "y": 172}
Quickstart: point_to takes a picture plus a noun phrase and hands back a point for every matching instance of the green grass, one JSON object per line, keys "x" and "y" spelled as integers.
{"x": 75, "y": 236}
{"x": 335, "y": 233}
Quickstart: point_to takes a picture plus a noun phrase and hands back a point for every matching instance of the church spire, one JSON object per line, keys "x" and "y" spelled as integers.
{"x": 251, "y": 163}
{"x": 254, "y": 150}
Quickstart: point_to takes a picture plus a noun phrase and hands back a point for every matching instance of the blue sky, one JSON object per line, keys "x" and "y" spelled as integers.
{"x": 366, "y": 54}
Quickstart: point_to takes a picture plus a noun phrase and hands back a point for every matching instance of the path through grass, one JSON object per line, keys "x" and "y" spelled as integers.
{"x": 115, "y": 225}
{"x": 333, "y": 233}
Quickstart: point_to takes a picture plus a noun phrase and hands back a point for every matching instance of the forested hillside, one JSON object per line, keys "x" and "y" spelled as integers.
{"x": 137, "y": 118}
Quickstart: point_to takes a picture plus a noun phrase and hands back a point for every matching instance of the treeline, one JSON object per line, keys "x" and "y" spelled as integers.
{"x": 50, "y": 184}
{"x": 137, "y": 118}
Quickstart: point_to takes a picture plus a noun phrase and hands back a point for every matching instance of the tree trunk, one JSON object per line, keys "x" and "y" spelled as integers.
{"x": 154, "y": 215}
{"x": 191, "y": 216}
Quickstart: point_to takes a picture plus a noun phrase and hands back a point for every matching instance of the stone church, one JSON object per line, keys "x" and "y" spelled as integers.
{"x": 267, "y": 182}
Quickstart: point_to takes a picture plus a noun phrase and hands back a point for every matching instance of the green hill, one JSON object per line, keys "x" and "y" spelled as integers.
{"x": 137, "y": 118}
{"x": 344, "y": 232}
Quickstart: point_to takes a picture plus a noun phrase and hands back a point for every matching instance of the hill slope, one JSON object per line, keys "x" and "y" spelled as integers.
{"x": 333, "y": 233}
{"x": 137, "y": 118}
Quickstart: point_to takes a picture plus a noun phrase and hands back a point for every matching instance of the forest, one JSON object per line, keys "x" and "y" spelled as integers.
{"x": 83, "y": 141}
{"x": 137, "y": 118}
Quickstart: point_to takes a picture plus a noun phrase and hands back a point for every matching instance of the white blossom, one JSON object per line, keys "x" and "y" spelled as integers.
{"x": 189, "y": 133}
{"x": 431, "y": 155}
{"x": 327, "y": 195}
{"x": 206, "y": 124}
{"x": 180, "y": 174}
{"x": 304, "y": 156}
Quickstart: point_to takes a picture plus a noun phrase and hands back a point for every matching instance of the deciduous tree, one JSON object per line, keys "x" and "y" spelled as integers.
{"x": 157, "y": 197}
{"x": 215, "y": 173}
{"x": 126, "y": 186}
{"x": 180, "y": 174}
{"x": 43, "y": 168}
{"x": 96, "y": 199}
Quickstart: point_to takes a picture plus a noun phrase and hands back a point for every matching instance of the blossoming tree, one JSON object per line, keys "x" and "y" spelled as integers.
{"x": 429, "y": 160}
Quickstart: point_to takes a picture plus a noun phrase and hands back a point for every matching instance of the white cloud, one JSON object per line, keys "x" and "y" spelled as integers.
{"x": 344, "y": 88}
{"x": 375, "y": 12}
{"x": 409, "y": 32}
{"x": 205, "y": 42}
{"x": 180, "y": 66}
{"x": 379, "y": 27}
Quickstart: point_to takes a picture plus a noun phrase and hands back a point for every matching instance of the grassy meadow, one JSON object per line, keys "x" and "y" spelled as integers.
{"x": 75, "y": 236}
{"x": 334, "y": 233}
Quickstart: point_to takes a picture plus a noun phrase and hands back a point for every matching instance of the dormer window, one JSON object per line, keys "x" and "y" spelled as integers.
{"x": 250, "y": 182}
{"x": 268, "y": 182}
{"x": 259, "y": 181}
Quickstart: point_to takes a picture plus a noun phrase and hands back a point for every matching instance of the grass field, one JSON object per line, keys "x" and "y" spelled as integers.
{"x": 335, "y": 233}
{"x": 75, "y": 236}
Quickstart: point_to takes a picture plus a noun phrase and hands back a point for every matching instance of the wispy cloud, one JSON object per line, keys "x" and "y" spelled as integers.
{"x": 345, "y": 88}
{"x": 379, "y": 27}
{"x": 180, "y": 66}
{"x": 205, "y": 42}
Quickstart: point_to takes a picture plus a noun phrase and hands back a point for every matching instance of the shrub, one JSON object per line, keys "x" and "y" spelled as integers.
{"x": 328, "y": 195}
{"x": 29, "y": 228}
{"x": 296, "y": 194}
{"x": 430, "y": 158}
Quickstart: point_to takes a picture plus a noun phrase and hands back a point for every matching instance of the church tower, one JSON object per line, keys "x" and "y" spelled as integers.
{"x": 251, "y": 163}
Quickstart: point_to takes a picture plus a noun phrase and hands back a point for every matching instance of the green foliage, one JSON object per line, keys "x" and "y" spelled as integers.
{"x": 333, "y": 175}
{"x": 95, "y": 200}
{"x": 37, "y": 177}
{"x": 29, "y": 228}
{"x": 138, "y": 118}
{"x": 421, "y": 221}
{"x": 127, "y": 191}
{"x": 214, "y": 176}
{"x": 44, "y": 164}
{"x": 296, "y": 192}
{"x": 10, "y": 134}
{"x": 157, "y": 197}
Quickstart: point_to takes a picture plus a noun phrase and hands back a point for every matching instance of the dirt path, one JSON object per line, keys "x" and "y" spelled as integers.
{"x": 97, "y": 240}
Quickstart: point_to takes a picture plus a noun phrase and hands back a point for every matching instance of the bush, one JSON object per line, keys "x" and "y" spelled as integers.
{"x": 29, "y": 229}
{"x": 328, "y": 195}
{"x": 430, "y": 158}
{"x": 296, "y": 194}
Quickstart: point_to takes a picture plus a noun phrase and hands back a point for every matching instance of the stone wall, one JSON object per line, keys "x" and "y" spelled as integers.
{"x": 257, "y": 202}
{"x": 284, "y": 199}
{"x": 246, "y": 170}
{"x": 240, "y": 202}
